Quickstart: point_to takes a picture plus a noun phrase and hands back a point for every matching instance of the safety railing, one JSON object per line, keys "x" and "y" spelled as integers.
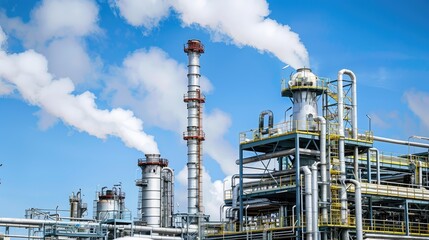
{"x": 395, "y": 227}
{"x": 263, "y": 185}
{"x": 408, "y": 191}
{"x": 321, "y": 83}
{"x": 396, "y": 159}
{"x": 297, "y": 126}
{"x": 284, "y": 128}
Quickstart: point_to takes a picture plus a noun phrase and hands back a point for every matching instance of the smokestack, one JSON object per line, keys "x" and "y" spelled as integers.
{"x": 194, "y": 134}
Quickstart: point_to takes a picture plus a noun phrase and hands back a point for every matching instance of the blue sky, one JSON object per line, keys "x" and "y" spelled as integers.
{"x": 134, "y": 60}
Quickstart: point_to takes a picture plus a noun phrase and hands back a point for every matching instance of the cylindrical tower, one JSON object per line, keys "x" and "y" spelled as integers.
{"x": 304, "y": 87}
{"x": 110, "y": 204}
{"x": 77, "y": 207}
{"x": 150, "y": 183}
{"x": 194, "y": 134}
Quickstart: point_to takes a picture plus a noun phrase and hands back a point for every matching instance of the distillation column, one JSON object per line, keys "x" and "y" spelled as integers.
{"x": 150, "y": 184}
{"x": 194, "y": 134}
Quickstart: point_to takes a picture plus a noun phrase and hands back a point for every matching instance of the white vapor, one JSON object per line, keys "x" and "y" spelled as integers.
{"x": 157, "y": 96}
{"x": 28, "y": 73}
{"x": 242, "y": 22}
{"x": 57, "y": 29}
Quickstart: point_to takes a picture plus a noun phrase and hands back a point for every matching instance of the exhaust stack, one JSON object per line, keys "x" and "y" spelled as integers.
{"x": 194, "y": 134}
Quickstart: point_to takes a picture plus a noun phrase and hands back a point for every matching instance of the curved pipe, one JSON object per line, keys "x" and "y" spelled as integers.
{"x": 169, "y": 221}
{"x": 358, "y": 208}
{"x": 377, "y": 163}
{"x": 270, "y": 121}
{"x": 354, "y": 100}
{"x": 340, "y": 110}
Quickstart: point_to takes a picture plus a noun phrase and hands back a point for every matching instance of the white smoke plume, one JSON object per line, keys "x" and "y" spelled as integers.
{"x": 242, "y": 22}
{"x": 160, "y": 103}
{"x": 28, "y": 73}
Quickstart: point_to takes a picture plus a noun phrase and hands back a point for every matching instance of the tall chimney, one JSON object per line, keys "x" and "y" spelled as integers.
{"x": 194, "y": 134}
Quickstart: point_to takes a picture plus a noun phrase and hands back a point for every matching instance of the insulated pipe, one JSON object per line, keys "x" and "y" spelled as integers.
{"x": 169, "y": 198}
{"x": 323, "y": 167}
{"x": 308, "y": 202}
{"x": 277, "y": 154}
{"x": 315, "y": 201}
{"x": 400, "y": 142}
{"x": 358, "y": 208}
{"x": 373, "y": 236}
{"x": 377, "y": 163}
{"x": 270, "y": 121}
{"x": 340, "y": 110}
{"x": 41, "y": 223}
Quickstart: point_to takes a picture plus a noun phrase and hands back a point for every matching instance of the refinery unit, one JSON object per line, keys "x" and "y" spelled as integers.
{"x": 313, "y": 176}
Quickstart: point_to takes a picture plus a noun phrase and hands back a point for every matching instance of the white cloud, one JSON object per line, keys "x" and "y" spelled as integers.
{"x": 57, "y": 29}
{"x": 212, "y": 193}
{"x": 157, "y": 96}
{"x": 28, "y": 72}
{"x": 147, "y": 13}
{"x": 418, "y": 102}
{"x": 243, "y": 22}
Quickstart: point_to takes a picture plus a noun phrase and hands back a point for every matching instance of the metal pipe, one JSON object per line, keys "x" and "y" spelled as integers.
{"x": 400, "y": 142}
{"x": 373, "y": 236}
{"x": 308, "y": 202}
{"x": 377, "y": 163}
{"x": 278, "y": 154}
{"x": 315, "y": 201}
{"x": 155, "y": 237}
{"x": 194, "y": 134}
{"x": 340, "y": 110}
{"x": 358, "y": 208}
{"x": 270, "y": 121}
{"x": 168, "y": 196}
{"x": 40, "y": 223}
{"x": 323, "y": 168}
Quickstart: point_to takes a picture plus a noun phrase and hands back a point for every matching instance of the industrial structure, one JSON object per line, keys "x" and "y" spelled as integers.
{"x": 316, "y": 176}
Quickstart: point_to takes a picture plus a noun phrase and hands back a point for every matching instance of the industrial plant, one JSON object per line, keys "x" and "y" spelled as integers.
{"x": 313, "y": 176}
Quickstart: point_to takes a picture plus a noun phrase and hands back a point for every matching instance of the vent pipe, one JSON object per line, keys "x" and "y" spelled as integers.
{"x": 194, "y": 134}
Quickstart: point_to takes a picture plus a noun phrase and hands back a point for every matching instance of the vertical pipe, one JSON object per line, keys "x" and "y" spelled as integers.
{"x": 308, "y": 202}
{"x": 315, "y": 201}
{"x": 169, "y": 197}
{"x": 407, "y": 218}
{"x": 194, "y": 134}
{"x": 241, "y": 189}
{"x": 323, "y": 168}
{"x": 377, "y": 163}
{"x": 368, "y": 165}
{"x": 343, "y": 191}
{"x": 358, "y": 208}
{"x": 298, "y": 185}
